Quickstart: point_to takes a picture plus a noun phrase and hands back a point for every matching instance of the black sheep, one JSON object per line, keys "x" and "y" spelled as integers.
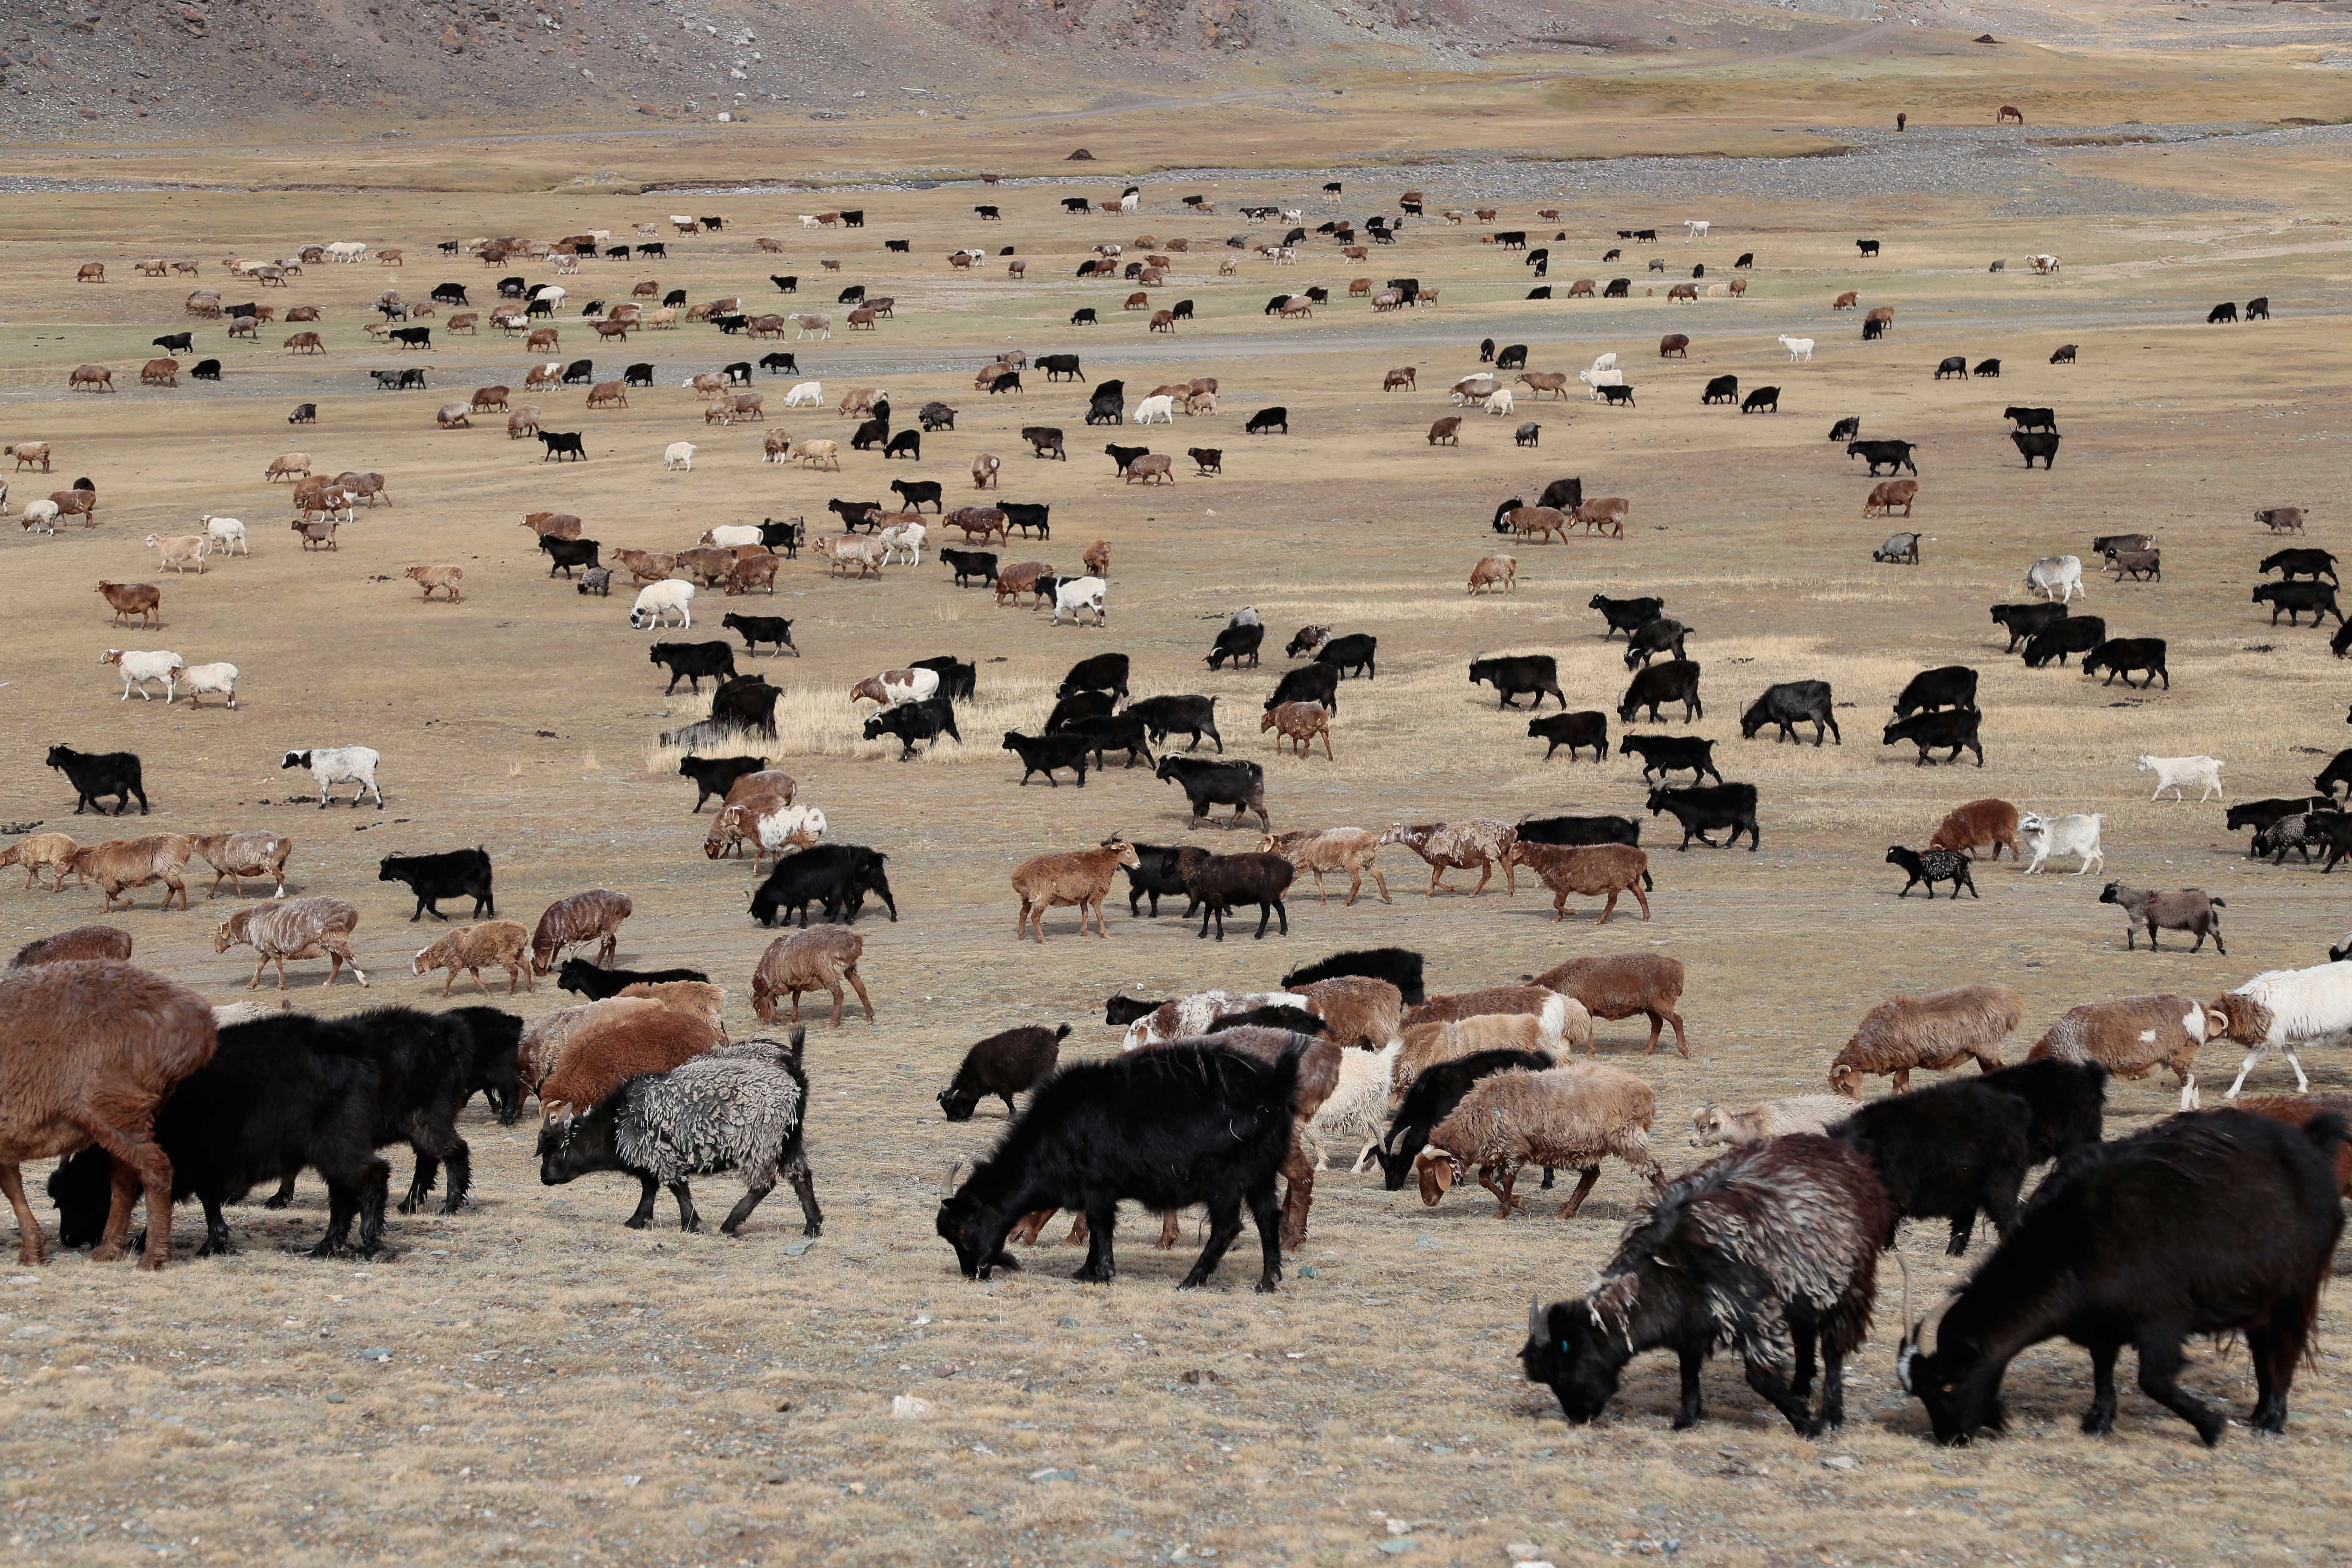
{"x": 584, "y": 979}
{"x": 1003, "y": 1065}
{"x": 1399, "y": 966}
{"x": 1933, "y": 867}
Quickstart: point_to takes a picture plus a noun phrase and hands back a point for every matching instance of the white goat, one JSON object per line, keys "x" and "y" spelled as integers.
{"x": 138, "y": 668}
{"x": 226, "y": 534}
{"x": 679, "y": 455}
{"x": 2074, "y": 834}
{"x": 2288, "y": 1008}
{"x": 1695, "y": 228}
{"x": 1799, "y": 348}
{"x": 1160, "y": 409}
{"x": 2171, "y": 772}
{"x": 1077, "y": 597}
{"x": 900, "y": 537}
{"x": 656, "y": 602}
{"x": 332, "y": 766}
{"x": 219, "y": 679}
{"x": 1501, "y": 402}
{"x": 2058, "y": 577}
{"x": 1597, "y": 379}
{"x": 805, "y": 394}
{"x": 1605, "y": 362}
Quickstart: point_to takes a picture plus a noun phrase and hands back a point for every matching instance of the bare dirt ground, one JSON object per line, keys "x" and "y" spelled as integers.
{"x": 530, "y": 1380}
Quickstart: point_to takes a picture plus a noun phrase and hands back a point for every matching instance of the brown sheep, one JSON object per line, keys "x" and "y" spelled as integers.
{"x": 556, "y": 524}
{"x": 89, "y": 1050}
{"x": 1939, "y": 1029}
{"x": 816, "y": 958}
{"x": 1402, "y": 376}
{"x": 300, "y": 928}
{"x": 1889, "y": 494}
{"x": 697, "y": 997}
{"x": 1978, "y": 823}
{"x": 1301, "y": 724}
{"x": 1358, "y": 1011}
{"x": 502, "y": 943}
{"x": 1711, "y": 1124}
{"x": 2131, "y": 1037}
{"x": 1605, "y": 515}
{"x": 1498, "y": 1018}
{"x": 1333, "y": 850}
{"x": 1079, "y": 878}
{"x": 1097, "y": 558}
{"x": 144, "y": 600}
{"x": 160, "y": 372}
{"x": 80, "y": 942}
{"x": 1618, "y": 984}
{"x": 305, "y": 344}
{"x": 1152, "y": 467}
{"x": 91, "y": 377}
{"x": 236, "y": 856}
{"x": 1021, "y": 577}
{"x": 445, "y": 578}
{"x": 755, "y": 571}
{"x": 1593, "y": 870}
{"x": 1482, "y": 841}
{"x": 52, "y": 852}
{"x": 1495, "y": 572}
{"x": 542, "y": 1045}
{"x": 1446, "y": 432}
{"x": 611, "y": 1047}
{"x": 1541, "y": 381}
{"x": 1846, "y": 301}
{"x": 1566, "y": 1117}
{"x": 119, "y": 865}
{"x": 593, "y": 916}
{"x": 1540, "y": 523}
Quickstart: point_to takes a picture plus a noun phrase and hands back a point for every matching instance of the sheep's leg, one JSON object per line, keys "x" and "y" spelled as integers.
{"x": 850, "y": 975}
{"x": 1436, "y": 881}
{"x": 1486, "y": 875}
{"x": 1297, "y": 1196}
{"x": 1584, "y": 1183}
{"x": 1224, "y": 1224}
{"x": 1902, "y": 1080}
{"x": 1102, "y": 1216}
{"x": 1172, "y": 1225}
{"x": 1766, "y": 1380}
{"x": 1686, "y": 1412}
{"x": 32, "y": 1242}
{"x": 687, "y": 1218}
{"x": 1503, "y": 1201}
{"x": 805, "y": 1188}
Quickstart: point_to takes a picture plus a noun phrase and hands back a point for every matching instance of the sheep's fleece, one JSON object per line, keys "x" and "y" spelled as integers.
{"x": 736, "y": 1106}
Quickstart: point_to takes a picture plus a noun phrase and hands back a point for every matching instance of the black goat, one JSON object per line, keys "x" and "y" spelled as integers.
{"x": 1103, "y": 672}
{"x": 959, "y": 677}
{"x": 714, "y": 777}
{"x": 2122, "y": 656}
{"x": 1240, "y": 784}
{"x": 453, "y": 874}
{"x": 1654, "y": 686}
{"x": 1790, "y": 704}
{"x": 2217, "y": 1223}
{"x": 584, "y": 979}
{"x": 1931, "y": 867}
{"x": 1645, "y": 642}
{"x": 1512, "y": 674}
{"x": 1627, "y": 615}
{"x": 563, "y": 554}
{"x": 1224, "y": 881}
{"x": 1952, "y": 727}
{"x": 1002, "y": 1065}
{"x": 1580, "y": 830}
{"x": 835, "y": 876}
{"x": 1944, "y": 1152}
{"x": 1352, "y": 653}
{"x": 970, "y": 566}
{"x": 2022, "y": 622}
{"x": 1077, "y": 706}
{"x": 1663, "y": 754}
{"x": 757, "y": 629}
{"x": 1190, "y": 715}
{"x": 1951, "y": 686}
{"x": 1574, "y": 731}
{"x": 690, "y": 661}
{"x": 912, "y": 722}
{"x": 1159, "y": 873}
{"x": 1167, "y": 1129}
{"x": 1236, "y": 643}
{"x": 2063, "y": 639}
{"x": 94, "y": 774}
{"x": 1702, "y": 809}
{"x": 1117, "y": 733}
{"x": 1044, "y": 753}
{"x": 1313, "y": 682}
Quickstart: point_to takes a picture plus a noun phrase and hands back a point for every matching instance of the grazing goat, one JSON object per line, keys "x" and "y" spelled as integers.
{"x": 1560, "y": 1118}
{"x": 1937, "y": 1029}
{"x": 1979, "y": 822}
{"x": 1003, "y": 1065}
{"x": 593, "y": 916}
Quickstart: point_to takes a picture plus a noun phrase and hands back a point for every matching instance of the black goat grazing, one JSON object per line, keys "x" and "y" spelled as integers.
{"x": 281, "y": 1093}
{"x": 1790, "y": 704}
{"x": 1014, "y": 1062}
{"x": 1770, "y": 1250}
{"x": 836, "y": 876}
{"x": 1103, "y": 672}
{"x": 454, "y": 874}
{"x": 1223, "y": 882}
{"x": 1931, "y": 867}
{"x": 1168, "y": 1128}
{"x": 96, "y": 774}
{"x": 1240, "y": 784}
{"x": 1657, "y": 685}
{"x": 583, "y": 978}
{"x": 2067, "y": 1102}
{"x": 1644, "y": 643}
{"x": 1948, "y": 685}
{"x": 1315, "y": 682}
{"x": 1236, "y": 643}
{"x": 1399, "y": 966}
{"x": 2216, "y": 1223}
{"x": 1945, "y": 1151}
{"x": 912, "y": 722}
{"x": 1436, "y": 1090}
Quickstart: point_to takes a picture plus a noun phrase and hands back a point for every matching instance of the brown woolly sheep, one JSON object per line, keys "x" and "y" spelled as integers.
{"x": 90, "y": 1050}
{"x": 1593, "y": 870}
{"x": 1566, "y": 1117}
{"x": 1977, "y": 824}
{"x": 119, "y": 865}
{"x": 697, "y": 997}
{"x": 1501, "y": 1018}
{"x": 1301, "y": 724}
{"x": 51, "y": 852}
{"x": 1353, "y": 850}
{"x": 1711, "y": 1124}
{"x": 2131, "y": 1037}
{"x": 82, "y": 942}
{"x": 503, "y": 944}
{"x": 1618, "y": 984}
{"x": 302, "y": 927}
{"x": 593, "y": 916}
{"x": 542, "y": 1045}
{"x": 1939, "y": 1029}
{"x": 608, "y": 1051}
{"x": 1359, "y": 1013}
{"x": 236, "y": 856}
{"x": 1080, "y": 878}
{"x": 818, "y": 958}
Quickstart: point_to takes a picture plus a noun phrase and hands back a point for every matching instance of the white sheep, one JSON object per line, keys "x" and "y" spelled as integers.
{"x": 1357, "y": 1111}
{"x": 226, "y": 534}
{"x": 2074, "y": 834}
{"x": 1799, "y": 348}
{"x": 41, "y": 515}
{"x": 138, "y": 668}
{"x": 1077, "y": 597}
{"x": 332, "y": 766}
{"x": 2058, "y": 577}
{"x": 1695, "y": 229}
{"x": 218, "y": 679}
{"x": 2172, "y": 772}
{"x": 1501, "y": 402}
{"x": 805, "y": 394}
{"x": 656, "y": 602}
{"x": 1160, "y": 410}
{"x": 679, "y": 455}
{"x": 728, "y": 536}
{"x": 2279, "y": 1010}
{"x": 1597, "y": 379}
{"x": 901, "y": 537}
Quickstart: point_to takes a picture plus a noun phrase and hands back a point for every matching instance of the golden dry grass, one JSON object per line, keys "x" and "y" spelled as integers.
{"x": 559, "y": 1389}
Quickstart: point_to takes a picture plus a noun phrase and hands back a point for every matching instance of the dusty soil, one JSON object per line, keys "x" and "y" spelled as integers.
{"x": 527, "y": 1380}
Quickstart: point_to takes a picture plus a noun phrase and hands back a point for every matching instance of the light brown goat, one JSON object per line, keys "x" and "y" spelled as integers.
{"x": 1359, "y": 1013}
{"x": 1495, "y": 572}
{"x": 502, "y": 944}
{"x": 1079, "y": 878}
{"x": 593, "y": 916}
{"x": 1566, "y": 1117}
{"x": 52, "y": 852}
{"x": 119, "y": 865}
{"x": 1978, "y": 823}
{"x": 1316, "y": 851}
{"x": 90, "y": 1049}
{"x": 1937, "y": 1029}
{"x": 236, "y": 856}
{"x": 445, "y": 578}
{"x": 1618, "y": 984}
{"x": 816, "y": 958}
{"x": 302, "y": 927}
{"x": 697, "y": 997}
{"x": 1594, "y": 870}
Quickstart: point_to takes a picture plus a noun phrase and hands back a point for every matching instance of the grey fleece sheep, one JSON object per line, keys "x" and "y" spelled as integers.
{"x": 738, "y": 1108}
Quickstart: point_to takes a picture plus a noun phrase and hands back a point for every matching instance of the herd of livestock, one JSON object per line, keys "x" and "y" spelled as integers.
{"x": 2210, "y": 1222}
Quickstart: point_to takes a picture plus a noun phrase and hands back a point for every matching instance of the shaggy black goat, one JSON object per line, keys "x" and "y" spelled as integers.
{"x": 714, "y": 777}
{"x": 1014, "y": 1062}
{"x": 425, "y": 1074}
{"x": 2216, "y": 1223}
{"x": 1399, "y": 966}
{"x": 1946, "y": 1150}
{"x": 1223, "y": 882}
{"x": 1160, "y": 872}
{"x": 584, "y": 979}
{"x": 454, "y": 874}
{"x": 1767, "y": 1251}
{"x": 1168, "y": 1128}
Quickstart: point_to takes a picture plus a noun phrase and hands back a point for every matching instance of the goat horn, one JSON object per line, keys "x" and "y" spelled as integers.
{"x": 947, "y": 1179}
{"x": 1904, "y": 1264}
{"x": 1934, "y": 1320}
{"x": 1534, "y": 1316}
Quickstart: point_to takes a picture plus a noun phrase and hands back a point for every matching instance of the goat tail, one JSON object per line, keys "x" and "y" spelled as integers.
{"x": 2219, "y": 903}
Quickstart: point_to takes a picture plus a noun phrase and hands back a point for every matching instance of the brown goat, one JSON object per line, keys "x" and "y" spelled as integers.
{"x": 90, "y": 1049}
{"x": 1593, "y": 870}
{"x": 1079, "y": 878}
{"x": 144, "y": 600}
{"x": 503, "y": 944}
{"x": 615, "y": 1046}
{"x": 1618, "y": 984}
{"x": 593, "y": 916}
{"x": 80, "y": 942}
{"x": 816, "y": 958}
{"x": 1889, "y": 494}
{"x": 1978, "y": 823}
{"x": 52, "y": 852}
{"x": 1301, "y": 724}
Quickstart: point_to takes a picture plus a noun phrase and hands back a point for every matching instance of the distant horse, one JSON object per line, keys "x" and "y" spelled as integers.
{"x": 2009, "y": 114}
